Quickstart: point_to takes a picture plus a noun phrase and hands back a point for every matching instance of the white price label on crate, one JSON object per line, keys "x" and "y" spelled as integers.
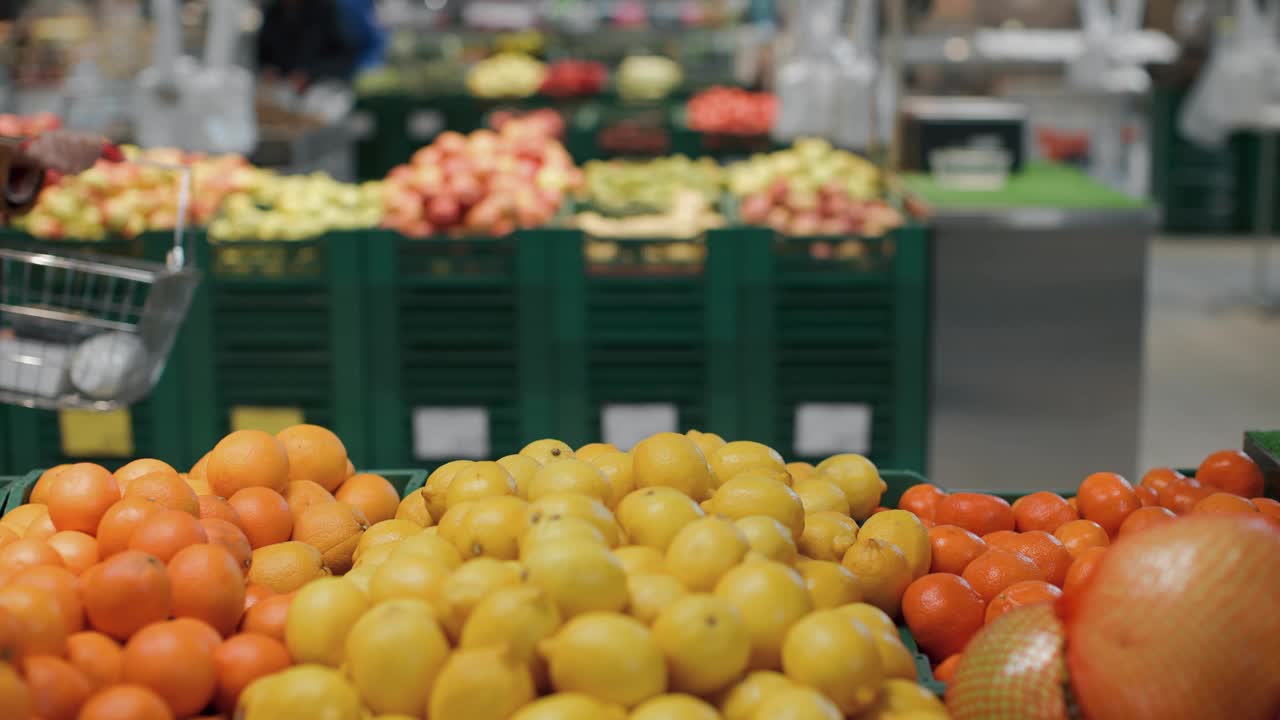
{"x": 361, "y": 125}
{"x": 450, "y": 432}
{"x": 830, "y": 428}
{"x": 626, "y": 425}
{"x": 425, "y": 124}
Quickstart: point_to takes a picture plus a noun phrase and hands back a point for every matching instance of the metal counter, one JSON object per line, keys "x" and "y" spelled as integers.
{"x": 1037, "y": 350}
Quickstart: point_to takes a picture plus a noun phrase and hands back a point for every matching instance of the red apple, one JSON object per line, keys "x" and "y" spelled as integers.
{"x": 466, "y": 188}
{"x": 755, "y": 208}
{"x": 443, "y": 211}
{"x": 450, "y": 143}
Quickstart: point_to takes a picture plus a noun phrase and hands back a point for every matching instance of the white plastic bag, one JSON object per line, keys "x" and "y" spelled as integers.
{"x": 1233, "y": 87}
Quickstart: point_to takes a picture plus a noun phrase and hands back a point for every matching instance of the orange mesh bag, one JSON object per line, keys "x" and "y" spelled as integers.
{"x": 1180, "y": 623}
{"x": 1013, "y": 669}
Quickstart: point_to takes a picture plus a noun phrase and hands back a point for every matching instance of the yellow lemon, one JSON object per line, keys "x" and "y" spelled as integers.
{"x": 361, "y": 576}
{"x": 414, "y": 509}
{"x": 287, "y": 566}
{"x": 650, "y": 594}
{"x": 707, "y": 442}
{"x": 704, "y": 639}
{"x": 593, "y": 450}
{"x": 394, "y": 653}
{"x": 319, "y": 618}
{"x": 479, "y": 480}
{"x": 671, "y": 460}
{"x": 610, "y": 657}
{"x": 653, "y": 516}
{"x": 394, "y": 716}
{"x": 904, "y": 529}
{"x": 492, "y": 528}
{"x": 618, "y": 471}
{"x": 522, "y": 468}
{"x": 481, "y": 684}
{"x": 580, "y": 506}
{"x": 703, "y": 551}
{"x": 544, "y": 451}
{"x": 771, "y": 597}
{"x": 471, "y": 584}
{"x": 799, "y": 470}
{"x": 895, "y": 659}
{"x": 638, "y": 559}
{"x": 768, "y": 538}
{"x": 569, "y": 476}
{"x": 882, "y": 571}
{"x": 449, "y": 526}
{"x": 387, "y": 531}
{"x": 428, "y": 547}
{"x": 740, "y": 701}
{"x": 517, "y": 617}
{"x": 731, "y": 459}
{"x": 797, "y": 703}
{"x": 569, "y": 706}
{"x": 436, "y": 489}
{"x": 828, "y": 535}
{"x": 858, "y": 478}
{"x": 751, "y": 493}
{"x": 674, "y": 707}
{"x": 904, "y": 696}
{"x": 375, "y": 556}
{"x": 818, "y": 495}
{"x": 834, "y": 654}
{"x": 875, "y": 619}
{"x": 579, "y": 578}
{"x": 409, "y": 577}
{"x": 303, "y": 692}
{"x": 830, "y": 583}
{"x": 561, "y": 527}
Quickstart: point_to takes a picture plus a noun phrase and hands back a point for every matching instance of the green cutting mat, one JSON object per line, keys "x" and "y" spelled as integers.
{"x": 1039, "y": 185}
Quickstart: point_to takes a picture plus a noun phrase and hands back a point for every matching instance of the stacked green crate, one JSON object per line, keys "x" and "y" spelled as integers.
{"x": 154, "y": 427}
{"x": 459, "y": 363}
{"x": 1201, "y": 190}
{"x": 276, "y": 336}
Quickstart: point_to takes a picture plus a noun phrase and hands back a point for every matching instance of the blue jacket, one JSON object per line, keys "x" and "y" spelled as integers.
{"x": 360, "y": 24}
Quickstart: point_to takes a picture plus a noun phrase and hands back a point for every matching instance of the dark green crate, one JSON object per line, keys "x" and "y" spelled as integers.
{"x": 33, "y": 438}
{"x": 7, "y": 485}
{"x": 281, "y": 324}
{"x": 19, "y": 490}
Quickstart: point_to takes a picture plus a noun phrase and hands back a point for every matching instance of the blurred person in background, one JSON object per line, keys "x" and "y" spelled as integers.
{"x": 365, "y": 35}
{"x": 23, "y": 164}
{"x": 304, "y": 41}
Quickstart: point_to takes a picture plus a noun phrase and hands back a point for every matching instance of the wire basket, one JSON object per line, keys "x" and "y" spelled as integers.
{"x": 79, "y": 330}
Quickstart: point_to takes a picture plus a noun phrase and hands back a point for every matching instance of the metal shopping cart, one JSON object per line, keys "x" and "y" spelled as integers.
{"x": 79, "y": 330}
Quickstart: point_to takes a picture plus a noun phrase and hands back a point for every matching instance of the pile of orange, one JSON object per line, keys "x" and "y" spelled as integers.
{"x": 989, "y": 557}
{"x": 149, "y": 593}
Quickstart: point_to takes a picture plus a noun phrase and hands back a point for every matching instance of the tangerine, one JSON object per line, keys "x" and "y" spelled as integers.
{"x": 1042, "y": 510}
{"x": 142, "y": 466}
{"x": 953, "y": 548}
{"x": 922, "y": 500}
{"x": 242, "y": 659}
{"x": 176, "y": 662}
{"x": 1083, "y": 568}
{"x": 42, "y": 629}
{"x": 1160, "y": 478}
{"x": 58, "y": 688}
{"x": 1019, "y": 594}
{"x": 100, "y": 658}
{"x": 946, "y": 669}
{"x": 1145, "y": 517}
{"x": 1080, "y": 535}
{"x": 212, "y": 506}
{"x": 264, "y": 516}
{"x": 997, "y": 569}
{"x": 1232, "y": 471}
{"x": 1223, "y": 503}
{"x": 166, "y": 532}
{"x": 63, "y": 586}
{"x": 80, "y": 495}
{"x": 166, "y": 490}
{"x": 943, "y": 611}
{"x": 1046, "y": 551}
{"x": 126, "y": 592}
{"x": 268, "y": 616}
{"x": 79, "y": 551}
{"x": 1107, "y": 499}
{"x": 121, "y": 702}
{"x": 208, "y": 584}
{"x": 978, "y": 513}
{"x": 119, "y": 523}
{"x": 232, "y": 538}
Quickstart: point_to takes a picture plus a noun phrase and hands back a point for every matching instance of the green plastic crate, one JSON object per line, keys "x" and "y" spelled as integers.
{"x": 157, "y": 425}
{"x": 19, "y": 490}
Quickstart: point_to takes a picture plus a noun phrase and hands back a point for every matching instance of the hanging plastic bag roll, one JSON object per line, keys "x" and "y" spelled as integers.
{"x": 1231, "y": 90}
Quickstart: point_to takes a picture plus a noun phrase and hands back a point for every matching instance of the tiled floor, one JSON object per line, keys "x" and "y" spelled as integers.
{"x": 1212, "y": 358}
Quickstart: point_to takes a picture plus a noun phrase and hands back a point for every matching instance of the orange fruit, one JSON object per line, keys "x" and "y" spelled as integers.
{"x": 1042, "y": 511}
{"x": 125, "y": 592}
{"x": 303, "y": 494}
{"x": 143, "y": 466}
{"x": 979, "y": 514}
{"x": 247, "y": 458}
{"x": 126, "y": 702}
{"x": 1222, "y": 503}
{"x": 175, "y": 661}
{"x": 1027, "y": 592}
{"x": 315, "y": 454}
{"x": 267, "y": 616}
{"x": 922, "y": 500}
{"x": 1082, "y": 568}
{"x": 11, "y": 637}
{"x": 1232, "y": 471}
{"x": 1160, "y": 478}
{"x": 7, "y": 535}
{"x": 166, "y": 532}
{"x": 120, "y": 521}
{"x": 40, "y": 528}
{"x": 41, "y": 627}
{"x": 953, "y": 548}
{"x": 943, "y": 612}
{"x": 241, "y": 660}
{"x": 166, "y": 490}
{"x": 1267, "y": 506}
{"x": 946, "y": 669}
{"x": 1107, "y": 499}
{"x": 78, "y": 551}
{"x": 253, "y": 593}
{"x": 80, "y": 494}
{"x": 1080, "y": 535}
{"x": 999, "y": 537}
{"x": 1148, "y": 496}
{"x": 200, "y": 629}
{"x": 21, "y": 517}
{"x": 22, "y": 554}
{"x": 40, "y": 491}
{"x": 100, "y": 658}
{"x": 264, "y": 516}
{"x": 997, "y": 569}
{"x": 372, "y": 494}
{"x": 208, "y": 584}
{"x": 1046, "y": 551}
{"x": 63, "y": 586}
{"x": 58, "y": 688}
{"x": 334, "y": 529}
{"x": 1145, "y": 517}
{"x": 232, "y": 538}
{"x": 213, "y": 506}
{"x": 1187, "y": 494}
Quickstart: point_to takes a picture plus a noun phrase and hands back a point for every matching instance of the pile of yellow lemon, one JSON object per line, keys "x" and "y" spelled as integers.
{"x": 687, "y": 579}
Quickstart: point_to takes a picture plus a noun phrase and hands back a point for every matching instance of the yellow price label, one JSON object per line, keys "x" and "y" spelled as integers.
{"x": 86, "y": 433}
{"x": 266, "y": 419}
